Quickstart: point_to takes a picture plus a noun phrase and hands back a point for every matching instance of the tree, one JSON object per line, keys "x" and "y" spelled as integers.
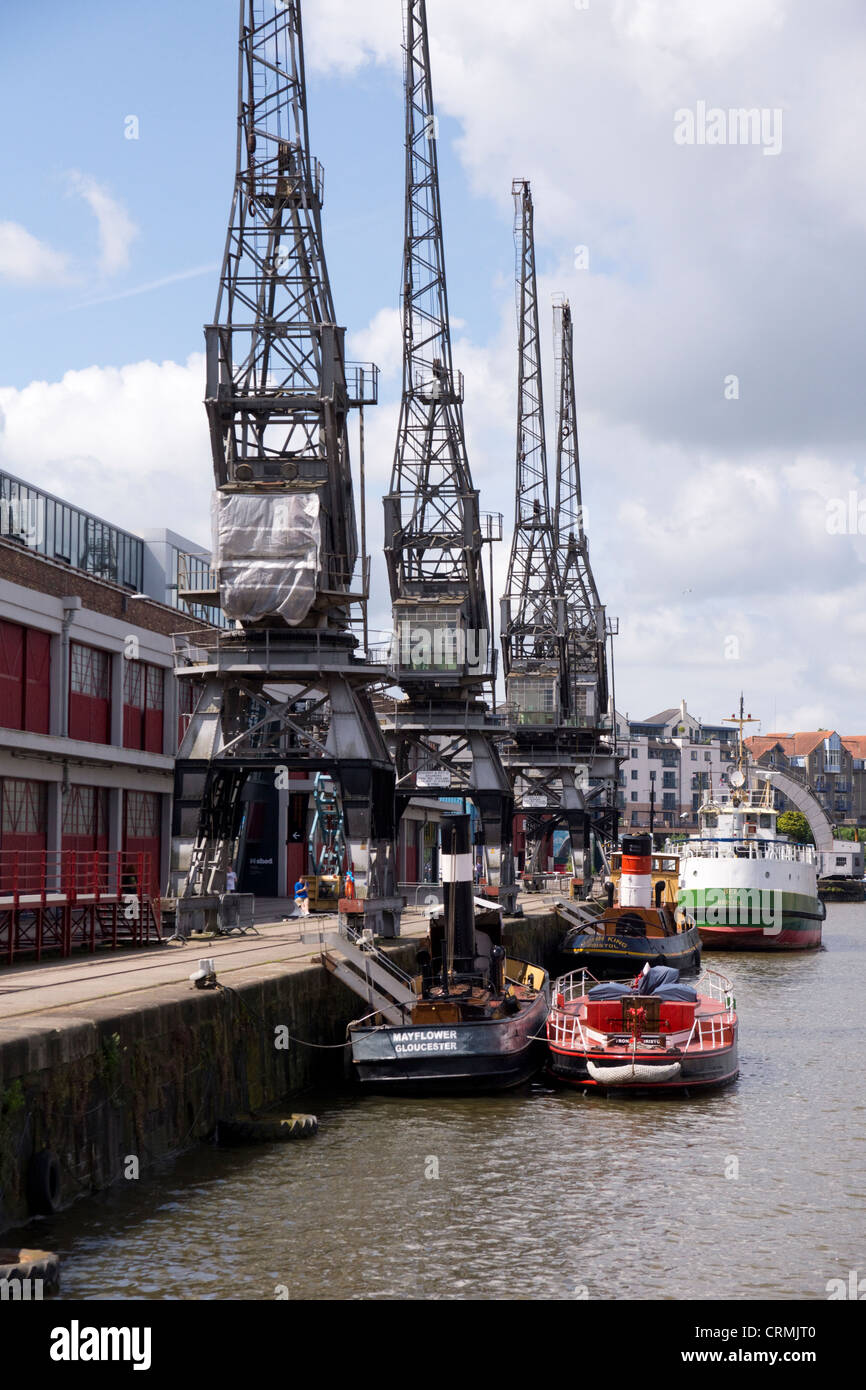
{"x": 795, "y": 826}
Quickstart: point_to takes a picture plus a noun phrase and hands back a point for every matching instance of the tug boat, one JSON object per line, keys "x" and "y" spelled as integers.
{"x": 645, "y": 927}
{"x": 474, "y": 1018}
{"x": 654, "y": 1036}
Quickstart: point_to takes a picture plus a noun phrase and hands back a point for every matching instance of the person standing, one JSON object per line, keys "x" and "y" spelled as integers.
{"x": 231, "y": 881}
{"x": 302, "y": 898}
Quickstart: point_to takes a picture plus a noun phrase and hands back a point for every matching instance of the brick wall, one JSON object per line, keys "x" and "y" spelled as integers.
{"x": 43, "y": 576}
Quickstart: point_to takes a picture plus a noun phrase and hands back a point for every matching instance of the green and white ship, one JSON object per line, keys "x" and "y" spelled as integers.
{"x": 747, "y": 888}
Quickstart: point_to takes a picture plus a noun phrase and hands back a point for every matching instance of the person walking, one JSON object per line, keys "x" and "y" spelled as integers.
{"x": 302, "y": 898}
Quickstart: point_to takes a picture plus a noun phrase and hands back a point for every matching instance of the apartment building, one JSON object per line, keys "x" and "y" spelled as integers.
{"x": 831, "y": 764}
{"x": 680, "y": 758}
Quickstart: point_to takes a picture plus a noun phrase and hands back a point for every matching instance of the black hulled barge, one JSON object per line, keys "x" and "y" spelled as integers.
{"x": 476, "y": 1021}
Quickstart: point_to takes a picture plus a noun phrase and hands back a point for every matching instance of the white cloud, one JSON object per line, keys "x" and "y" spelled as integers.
{"x": 117, "y": 231}
{"x": 26, "y": 260}
{"x": 94, "y": 439}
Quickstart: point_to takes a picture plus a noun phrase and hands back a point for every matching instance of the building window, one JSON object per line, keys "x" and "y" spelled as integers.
{"x": 90, "y": 672}
{"x": 694, "y": 757}
{"x": 708, "y": 757}
{"x": 634, "y": 796}
{"x": 669, "y": 801}
{"x": 669, "y": 779}
{"x": 652, "y": 777}
{"x": 89, "y": 694}
{"x": 634, "y": 776}
{"x": 634, "y": 752}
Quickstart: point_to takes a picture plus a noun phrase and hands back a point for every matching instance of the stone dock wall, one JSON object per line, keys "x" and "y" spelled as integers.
{"x": 130, "y": 1081}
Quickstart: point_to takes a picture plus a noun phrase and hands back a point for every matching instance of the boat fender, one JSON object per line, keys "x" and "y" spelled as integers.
{"x": 559, "y": 1001}
{"x": 43, "y": 1183}
{"x": 633, "y": 1073}
{"x": 30, "y": 1265}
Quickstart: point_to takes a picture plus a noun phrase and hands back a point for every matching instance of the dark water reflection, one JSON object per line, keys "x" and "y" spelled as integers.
{"x": 540, "y": 1195}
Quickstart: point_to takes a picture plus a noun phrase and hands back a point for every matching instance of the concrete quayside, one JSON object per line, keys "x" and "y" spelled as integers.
{"x": 110, "y": 1065}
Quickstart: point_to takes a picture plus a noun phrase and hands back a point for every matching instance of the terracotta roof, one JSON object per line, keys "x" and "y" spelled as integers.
{"x": 759, "y": 744}
{"x": 856, "y": 744}
{"x": 792, "y": 745}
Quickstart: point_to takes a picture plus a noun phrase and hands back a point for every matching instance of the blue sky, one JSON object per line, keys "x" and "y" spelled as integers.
{"x": 70, "y": 76}
{"x": 708, "y": 513}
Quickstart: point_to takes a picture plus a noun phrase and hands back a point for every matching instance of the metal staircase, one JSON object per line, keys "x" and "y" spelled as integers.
{"x": 356, "y": 961}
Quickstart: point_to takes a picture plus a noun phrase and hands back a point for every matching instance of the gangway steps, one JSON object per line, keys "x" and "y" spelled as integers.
{"x": 574, "y": 915}
{"x": 375, "y": 982}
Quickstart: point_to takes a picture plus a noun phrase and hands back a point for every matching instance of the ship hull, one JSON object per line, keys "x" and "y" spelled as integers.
{"x": 761, "y": 904}
{"x": 612, "y": 957}
{"x": 701, "y": 1072}
{"x": 727, "y": 921}
{"x": 488, "y": 1055}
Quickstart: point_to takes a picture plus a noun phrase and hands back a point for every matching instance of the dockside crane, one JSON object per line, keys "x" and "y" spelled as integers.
{"x": 589, "y": 632}
{"x": 442, "y": 734}
{"x": 284, "y": 694}
{"x": 554, "y": 756}
{"x": 586, "y": 636}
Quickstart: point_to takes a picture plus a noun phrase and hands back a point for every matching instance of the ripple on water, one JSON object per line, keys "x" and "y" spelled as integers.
{"x": 539, "y": 1195}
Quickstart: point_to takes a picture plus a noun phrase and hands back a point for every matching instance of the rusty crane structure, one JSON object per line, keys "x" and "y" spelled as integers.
{"x": 554, "y": 629}
{"x": 284, "y": 694}
{"x": 442, "y": 732}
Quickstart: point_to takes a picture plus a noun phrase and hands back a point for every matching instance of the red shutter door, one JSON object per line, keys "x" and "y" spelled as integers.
{"x": 141, "y": 831}
{"x": 11, "y": 675}
{"x": 153, "y": 708}
{"x": 133, "y": 703}
{"x": 37, "y": 703}
{"x": 23, "y": 834}
{"x": 296, "y": 853}
{"x": 89, "y": 694}
{"x": 411, "y": 857}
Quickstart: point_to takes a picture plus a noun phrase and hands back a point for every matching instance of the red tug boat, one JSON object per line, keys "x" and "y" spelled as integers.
{"x": 652, "y": 1037}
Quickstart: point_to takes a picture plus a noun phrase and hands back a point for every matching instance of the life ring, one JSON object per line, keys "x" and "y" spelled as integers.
{"x": 43, "y": 1183}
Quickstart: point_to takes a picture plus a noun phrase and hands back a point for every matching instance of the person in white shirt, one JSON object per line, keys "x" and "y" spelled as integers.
{"x": 231, "y": 881}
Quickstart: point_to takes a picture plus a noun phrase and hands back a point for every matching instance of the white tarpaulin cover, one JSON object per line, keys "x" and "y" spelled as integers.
{"x": 267, "y": 552}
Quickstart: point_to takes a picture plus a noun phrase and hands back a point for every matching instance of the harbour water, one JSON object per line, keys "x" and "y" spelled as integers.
{"x": 758, "y": 1191}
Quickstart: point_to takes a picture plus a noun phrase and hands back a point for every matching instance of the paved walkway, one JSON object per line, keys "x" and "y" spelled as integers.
{"x": 73, "y": 983}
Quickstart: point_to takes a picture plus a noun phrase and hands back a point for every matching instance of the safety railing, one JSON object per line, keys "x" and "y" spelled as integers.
{"x": 36, "y": 877}
{"x": 746, "y": 849}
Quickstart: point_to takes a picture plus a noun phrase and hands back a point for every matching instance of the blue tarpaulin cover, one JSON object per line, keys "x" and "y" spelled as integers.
{"x": 661, "y": 981}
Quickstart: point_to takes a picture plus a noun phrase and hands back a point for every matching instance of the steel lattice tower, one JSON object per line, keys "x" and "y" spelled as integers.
{"x": 433, "y": 537}
{"x": 443, "y": 735}
{"x": 532, "y": 617}
{"x": 558, "y": 761}
{"x": 283, "y": 693}
{"x": 586, "y": 623}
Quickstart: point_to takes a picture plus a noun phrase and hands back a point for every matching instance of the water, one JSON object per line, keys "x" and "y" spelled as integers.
{"x": 540, "y": 1195}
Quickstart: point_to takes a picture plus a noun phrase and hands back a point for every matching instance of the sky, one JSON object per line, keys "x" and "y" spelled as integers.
{"x": 715, "y": 271}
